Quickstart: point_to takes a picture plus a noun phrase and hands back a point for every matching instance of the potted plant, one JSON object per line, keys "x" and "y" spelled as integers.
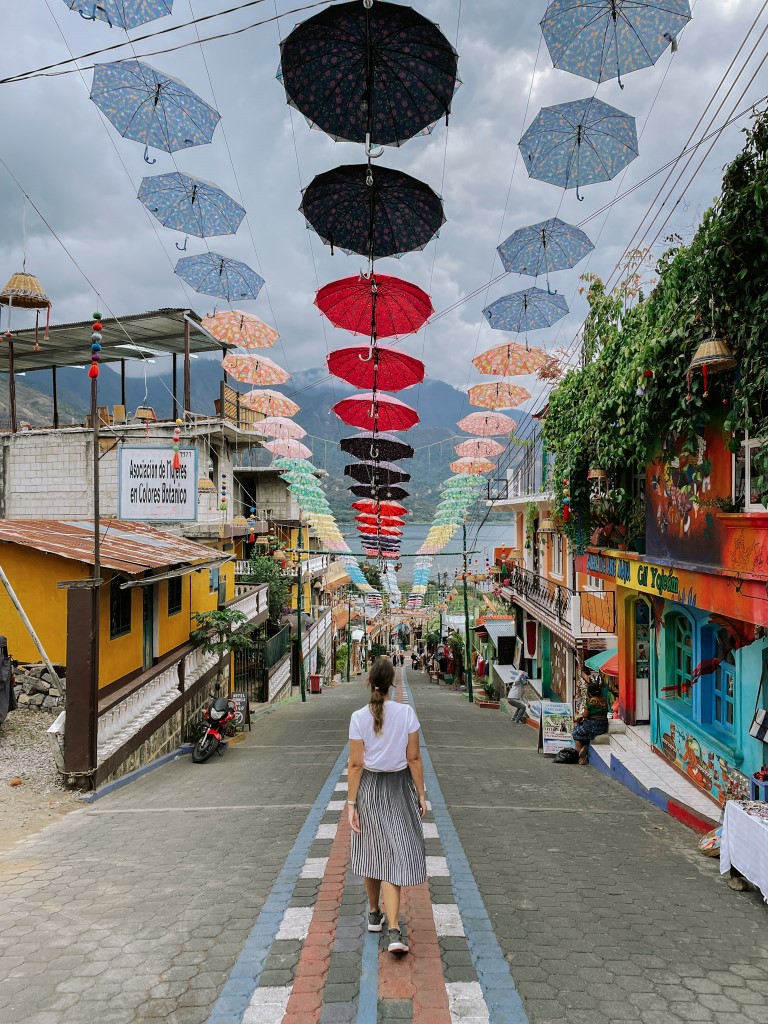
{"x": 636, "y": 525}
{"x": 490, "y": 698}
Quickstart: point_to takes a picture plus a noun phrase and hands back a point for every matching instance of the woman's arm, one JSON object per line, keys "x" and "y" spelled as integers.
{"x": 413, "y": 757}
{"x": 354, "y": 775}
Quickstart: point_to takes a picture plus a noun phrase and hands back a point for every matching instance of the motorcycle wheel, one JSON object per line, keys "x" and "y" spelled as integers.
{"x": 205, "y": 747}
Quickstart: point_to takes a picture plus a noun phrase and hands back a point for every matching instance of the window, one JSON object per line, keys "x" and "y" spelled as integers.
{"x": 174, "y": 595}
{"x": 213, "y": 581}
{"x": 119, "y": 609}
{"x": 682, "y": 669}
{"x": 595, "y": 583}
{"x": 723, "y": 690}
{"x": 746, "y": 469}
{"x": 557, "y": 554}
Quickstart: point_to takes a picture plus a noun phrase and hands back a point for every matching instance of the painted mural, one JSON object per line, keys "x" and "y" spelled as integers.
{"x": 704, "y": 766}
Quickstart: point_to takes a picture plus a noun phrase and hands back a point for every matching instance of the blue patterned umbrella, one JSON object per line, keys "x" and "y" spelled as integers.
{"x": 191, "y": 205}
{"x": 579, "y": 143}
{"x": 544, "y": 248}
{"x": 529, "y": 310}
{"x": 601, "y": 39}
{"x": 121, "y": 13}
{"x": 150, "y": 107}
{"x": 222, "y": 276}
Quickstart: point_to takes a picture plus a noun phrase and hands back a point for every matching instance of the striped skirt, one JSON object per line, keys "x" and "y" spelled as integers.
{"x": 390, "y": 845}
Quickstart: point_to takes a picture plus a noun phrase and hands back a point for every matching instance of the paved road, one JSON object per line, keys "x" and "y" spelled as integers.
{"x": 221, "y": 893}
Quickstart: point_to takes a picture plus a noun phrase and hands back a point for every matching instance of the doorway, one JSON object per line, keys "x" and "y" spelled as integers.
{"x": 148, "y": 626}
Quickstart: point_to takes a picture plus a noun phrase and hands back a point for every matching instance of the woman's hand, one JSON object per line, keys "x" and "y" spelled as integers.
{"x": 422, "y": 804}
{"x": 354, "y": 821}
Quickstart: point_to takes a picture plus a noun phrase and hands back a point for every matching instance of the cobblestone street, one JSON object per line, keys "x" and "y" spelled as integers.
{"x": 221, "y": 893}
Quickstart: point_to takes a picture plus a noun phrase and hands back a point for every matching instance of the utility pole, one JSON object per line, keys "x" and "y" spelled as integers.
{"x": 467, "y": 659}
{"x": 365, "y": 641}
{"x": 299, "y": 613}
{"x": 349, "y": 633}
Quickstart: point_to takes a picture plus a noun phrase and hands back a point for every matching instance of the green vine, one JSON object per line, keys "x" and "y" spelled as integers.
{"x": 531, "y": 514}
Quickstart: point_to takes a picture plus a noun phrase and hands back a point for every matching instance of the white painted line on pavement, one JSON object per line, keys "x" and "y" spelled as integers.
{"x": 465, "y": 1003}
{"x": 314, "y": 867}
{"x": 430, "y": 830}
{"x": 268, "y": 1005}
{"x": 437, "y": 867}
{"x": 447, "y": 919}
{"x": 295, "y": 923}
{"x": 337, "y": 805}
{"x": 326, "y": 832}
{"x": 341, "y": 788}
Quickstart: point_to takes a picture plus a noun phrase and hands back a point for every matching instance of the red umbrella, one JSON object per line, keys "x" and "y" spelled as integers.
{"x": 379, "y": 306}
{"x": 372, "y": 520}
{"x": 385, "y": 531}
{"x": 382, "y": 369}
{"x": 375, "y": 412}
{"x": 386, "y": 508}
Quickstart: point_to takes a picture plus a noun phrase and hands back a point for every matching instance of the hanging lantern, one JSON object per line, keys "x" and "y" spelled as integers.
{"x": 712, "y": 356}
{"x": 25, "y": 292}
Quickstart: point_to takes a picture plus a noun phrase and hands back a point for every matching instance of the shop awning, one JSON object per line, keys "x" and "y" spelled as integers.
{"x": 606, "y": 661}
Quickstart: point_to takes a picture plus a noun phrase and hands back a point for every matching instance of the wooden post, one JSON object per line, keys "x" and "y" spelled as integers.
{"x": 223, "y": 399}
{"x": 187, "y": 378}
{"x": 80, "y": 736}
{"x": 12, "y": 389}
{"x": 175, "y": 396}
{"x": 122, "y": 387}
{"x": 55, "y": 400}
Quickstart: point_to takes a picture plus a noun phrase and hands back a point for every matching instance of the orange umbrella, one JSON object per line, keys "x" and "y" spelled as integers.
{"x": 472, "y": 466}
{"x": 498, "y": 396}
{"x": 479, "y": 447}
{"x": 288, "y": 448}
{"x": 236, "y": 328}
{"x": 510, "y": 360}
{"x": 271, "y": 403}
{"x": 250, "y": 368}
{"x": 488, "y": 424}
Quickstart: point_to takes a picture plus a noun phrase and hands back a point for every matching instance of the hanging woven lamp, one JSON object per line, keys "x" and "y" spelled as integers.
{"x": 712, "y": 356}
{"x": 24, "y": 291}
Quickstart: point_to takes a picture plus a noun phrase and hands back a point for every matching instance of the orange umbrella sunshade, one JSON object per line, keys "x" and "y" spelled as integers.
{"x": 378, "y": 306}
{"x": 487, "y": 424}
{"x": 499, "y": 395}
{"x": 510, "y": 360}
{"x": 479, "y": 447}
{"x": 271, "y": 403}
{"x": 376, "y": 367}
{"x": 376, "y": 412}
{"x": 249, "y": 368}
{"x": 472, "y": 466}
{"x": 233, "y": 327}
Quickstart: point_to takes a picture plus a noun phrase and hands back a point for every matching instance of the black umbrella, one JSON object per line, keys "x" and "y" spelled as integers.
{"x": 367, "y": 445}
{"x": 372, "y": 210}
{"x": 374, "y": 74}
{"x": 376, "y": 473}
{"x": 380, "y": 493}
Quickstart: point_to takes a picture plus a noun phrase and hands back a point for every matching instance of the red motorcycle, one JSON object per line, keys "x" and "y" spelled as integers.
{"x": 219, "y": 722}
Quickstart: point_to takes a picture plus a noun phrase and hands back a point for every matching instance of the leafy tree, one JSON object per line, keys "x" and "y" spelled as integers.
{"x": 220, "y": 633}
{"x": 372, "y": 574}
{"x": 266, "y": 570}
{"x": 378, "y": 651}
{"x": 342, "y": 657}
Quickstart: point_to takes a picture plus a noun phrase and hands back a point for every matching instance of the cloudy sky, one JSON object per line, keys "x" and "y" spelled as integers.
{"x": 84, "y": 177}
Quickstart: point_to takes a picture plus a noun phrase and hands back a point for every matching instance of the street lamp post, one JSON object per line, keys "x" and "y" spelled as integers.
{"x": 349, "y": 633}
{"x": 299, "y": 612}
{"x": 467, "y": 659}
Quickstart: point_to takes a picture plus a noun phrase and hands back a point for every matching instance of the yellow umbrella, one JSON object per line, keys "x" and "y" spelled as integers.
{"x": 498, "y": 396}
{"x": 271, "y": 403}
{"x": 470, "y": 465}
{"x": 234, "y": 327}
{"x": 249, "y": 368}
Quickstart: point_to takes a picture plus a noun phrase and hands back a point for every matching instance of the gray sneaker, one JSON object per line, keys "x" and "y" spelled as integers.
{"x": 375, "y": 921}
{"x": 396, "y": 942}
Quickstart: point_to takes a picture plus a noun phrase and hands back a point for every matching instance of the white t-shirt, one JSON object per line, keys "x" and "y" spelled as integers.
{"x": 385, "y": 752}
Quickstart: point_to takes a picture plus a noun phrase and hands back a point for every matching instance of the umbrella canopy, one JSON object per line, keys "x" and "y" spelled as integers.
{"x": 472, "y": 466}
{"x": 379, "y": 306}
{"x": 271, "y": 403}
{"x": 368, "y": 445}
{"x": 510, "y": 360}
{"x": 288, "y": 447}
{"x": 529, "y": 310}
{"x": 376, "y": 473}
{"x": 544, "y": 248}
{"x": 392, "y": 215}
{"x": 385, "y": 531}
{"x": 481, "y": 447}
{"x": 250, "y": 368}
{"x": 376, "y": 367}
{"x": 147, "y": 106}
{"x": 213, "y": 274}
{"x": 281, "y": 427}
{"x": 487, "y": 424}
{"x": 233, "y": 327}
{"x": 189, "y": 204}
{"x": 291, "y": 464}
{"x": 121, "y": 13}
{"x": 498, "y": 396}
{"x": 613, "y": 37}
{"x": 382, "y": 493}
{"x": 376, "y": 412}
{"x": 386, "y": 508}
{"x": 364, "y": 517}
{"x": 379, "y": 73}
{"x": 579, "y": 143}
{"x": 606, "y": 662}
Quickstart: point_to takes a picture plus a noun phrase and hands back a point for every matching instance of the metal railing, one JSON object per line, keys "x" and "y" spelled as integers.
{"x": 543, "y": 594}
{"x": 277, "y": 647}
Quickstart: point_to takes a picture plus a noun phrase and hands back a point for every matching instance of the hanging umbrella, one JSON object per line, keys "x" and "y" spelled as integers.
{"x": 376, "y": 473}
{"x": 392, "y": 215}
{"x": 212, "y": 274}
{"x": 233, "y": 327}
{"x": 250, "y": 368}
{"x": 382, "y": 493}
{"x": 379, "y": 306}
{"x": 386, "y": 508}
{"x": 364, "y": 517}
{"x": 487, "y": 424}
{"x": 579, "y": 143}
{"x": 121, "y": 13}
{"x": 544, "y": 248}
{"x": 377, "y": 73}
{"x": 613, "y": 37}
{"x": 282, "y": 427}
{"x": 286, "y": 463}
{"x": 472, "y": 466}
{"x": 477, "y": 446}
{"x": 190, "y": 204}
{"x": 147, "y": 106}
{"x": 288, "y": 447}
{"x": 377, "y": 412}
{"x": 498, "y": 396}
{"x": 510, "y": 360}
{"x": 384, "y": 531}
{"x": 368, "y": 445}
{"x": 271, "y": 403}
{"x": 376, "y": 367}
{"x": 529, "y": 310}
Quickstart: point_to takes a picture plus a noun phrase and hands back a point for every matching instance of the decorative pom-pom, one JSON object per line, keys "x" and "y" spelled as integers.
{"x": 93, "y": 371}
{"x": 97, "y": 326}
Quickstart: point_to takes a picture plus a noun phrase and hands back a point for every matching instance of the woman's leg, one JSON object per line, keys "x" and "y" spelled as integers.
{"x": 373, "y": 888}
{"x": 391, "y": 894}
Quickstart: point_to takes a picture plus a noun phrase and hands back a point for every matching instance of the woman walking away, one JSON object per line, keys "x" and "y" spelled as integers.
{"x": 593, "y": 721}
{"x": 386, "y": 801}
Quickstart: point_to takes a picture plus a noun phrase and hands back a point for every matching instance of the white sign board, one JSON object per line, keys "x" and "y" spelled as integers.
{"x": 148, "y": 488}
{"x": 556, "y": 726}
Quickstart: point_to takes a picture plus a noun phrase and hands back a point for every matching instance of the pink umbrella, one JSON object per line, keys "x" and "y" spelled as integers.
{"x": 289, "y": 448}
{"x": 252, "y": 368}
{"x": 479, "y": 447}
{"x": 488, "y": 424}
{"x": 270, "y": 402}
{"x": 282, "y": 427}
{"x": 236, "y": 328}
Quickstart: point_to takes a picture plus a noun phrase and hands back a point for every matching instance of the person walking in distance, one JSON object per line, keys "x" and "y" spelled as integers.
{"x": 386, "y": 801}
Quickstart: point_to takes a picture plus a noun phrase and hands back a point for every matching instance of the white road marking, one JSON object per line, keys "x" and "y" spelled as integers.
{"x": 430, "y": 830}
{"x": 437, "y": 867}
{"x": 268, "y": 1005}
{"x": 465, "y": 1003}
{"x": 447, "y": 919}
{"x": 295, "y": 923}
{"x": 326, "y": 832}
{"x": 314, "y": 867}
{"x": 341, "y": 788}
{"x": 337, "y": 805}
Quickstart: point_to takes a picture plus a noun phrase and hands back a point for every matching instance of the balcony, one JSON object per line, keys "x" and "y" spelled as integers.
{"x": 252, "y": 601}
{"x": 522, "y": 478}
{"x": 580, "y": 615}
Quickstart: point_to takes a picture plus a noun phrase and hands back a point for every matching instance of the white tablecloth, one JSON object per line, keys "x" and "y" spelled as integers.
{"x": 745, "y": 846}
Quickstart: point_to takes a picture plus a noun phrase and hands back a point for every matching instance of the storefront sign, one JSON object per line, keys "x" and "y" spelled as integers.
{"x": 242, "y": 710}
{"x": 556, "y": 726}
{"x": 150, "y": 489}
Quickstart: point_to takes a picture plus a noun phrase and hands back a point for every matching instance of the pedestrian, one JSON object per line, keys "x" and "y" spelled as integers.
{"x": 402, "y": 659}
{"x": 515, "y": 696}
{"x": 7, "y": 681}
{"x": 395, "y": 659}
{"x": 592, "y": 722}
{"x": 386, "y": 802}
{"x": 414, "y": 661}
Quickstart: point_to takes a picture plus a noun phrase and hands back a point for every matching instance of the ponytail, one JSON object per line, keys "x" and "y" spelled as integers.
{"x": 381, "y": 677}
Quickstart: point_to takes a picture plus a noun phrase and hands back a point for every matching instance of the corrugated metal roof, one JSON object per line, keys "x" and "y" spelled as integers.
{"x": 126, "y": 547}
{"x": 497, "y": 628}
